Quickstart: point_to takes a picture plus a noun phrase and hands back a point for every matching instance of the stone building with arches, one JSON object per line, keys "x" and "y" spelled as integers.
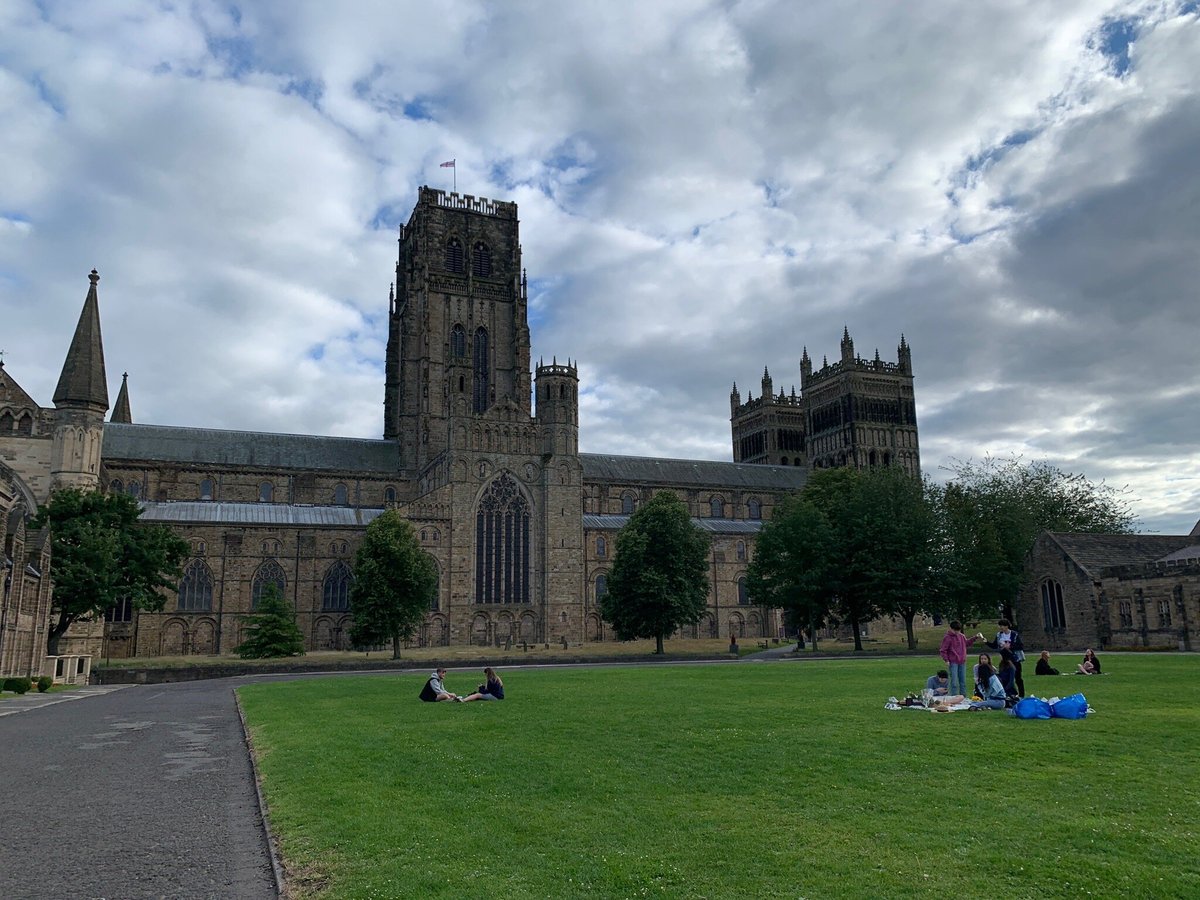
{"x": 479, "y": 450}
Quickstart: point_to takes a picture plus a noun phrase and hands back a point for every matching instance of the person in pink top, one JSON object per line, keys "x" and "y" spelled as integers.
{"x": 954, "y": 653}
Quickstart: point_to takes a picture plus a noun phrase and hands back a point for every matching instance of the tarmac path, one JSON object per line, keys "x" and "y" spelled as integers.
{"x": 142, "y": 791}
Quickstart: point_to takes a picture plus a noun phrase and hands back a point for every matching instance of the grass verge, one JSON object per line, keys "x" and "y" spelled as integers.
{"x": 756, "y": 780}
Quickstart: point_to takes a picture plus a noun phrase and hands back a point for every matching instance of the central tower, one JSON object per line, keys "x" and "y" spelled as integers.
{"x": 458, "y": 335}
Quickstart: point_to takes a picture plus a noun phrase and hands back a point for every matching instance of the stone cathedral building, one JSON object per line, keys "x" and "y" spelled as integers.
{"x": 480, "y": 451}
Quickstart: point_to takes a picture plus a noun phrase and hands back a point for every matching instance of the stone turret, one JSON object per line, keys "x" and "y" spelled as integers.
{"x": 557, "y": 388}
{"x": 81, "y": 400}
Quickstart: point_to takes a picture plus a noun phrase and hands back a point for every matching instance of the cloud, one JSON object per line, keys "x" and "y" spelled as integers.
{"x": 704, "y": 189}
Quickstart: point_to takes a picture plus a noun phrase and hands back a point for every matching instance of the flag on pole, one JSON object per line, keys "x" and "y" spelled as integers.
{"x": 447, "y": 165}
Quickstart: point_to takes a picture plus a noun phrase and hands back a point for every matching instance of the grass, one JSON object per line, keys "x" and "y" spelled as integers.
{"x": 748, "y": 780}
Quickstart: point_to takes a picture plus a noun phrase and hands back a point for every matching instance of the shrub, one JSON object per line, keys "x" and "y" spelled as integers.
{"x": 43, "y": 683}
{"x": 17, "y": 685}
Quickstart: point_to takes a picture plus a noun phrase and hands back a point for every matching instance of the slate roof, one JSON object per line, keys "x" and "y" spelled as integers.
{"x": 83, "y": 379}
{"x": 1093, "y": 552}
{"x": 210, "y": 446}
{"x": 694, "y": 472}
{"x": 716, "y": 526}
{"x": 121, "y": 412}
{"x": 11, "y": 393}
{"x": 1188, "y": 554}
{"x": 206, "y": 513}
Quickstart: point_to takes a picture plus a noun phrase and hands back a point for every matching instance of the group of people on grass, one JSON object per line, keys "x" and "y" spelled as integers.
{"x": 435, "y": 691}
{"x": 995, "y": 686}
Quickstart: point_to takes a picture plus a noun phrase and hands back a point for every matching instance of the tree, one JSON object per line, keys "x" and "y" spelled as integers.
{"x": 991, "y": 512}
{"x": 272, "y": 630}
{"x": 395, "y": 582}
{"x": 101, "y": 553}
{"x": 790, "y": 567}
{"x": 659, "y": 578}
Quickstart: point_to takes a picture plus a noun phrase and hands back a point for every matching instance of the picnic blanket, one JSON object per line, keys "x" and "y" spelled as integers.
{"x": 893, "y": 703}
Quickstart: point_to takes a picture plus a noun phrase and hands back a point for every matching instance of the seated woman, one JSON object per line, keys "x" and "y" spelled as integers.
{"x": 1090, "y": 665}
{"x": 1008, "y": 677}
{"x": 989, "y": 688}
{"x": 491, "y": 689}
{"x": 1043, "y": 665}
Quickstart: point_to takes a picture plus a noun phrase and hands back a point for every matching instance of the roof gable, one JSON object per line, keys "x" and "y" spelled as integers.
{"x": 1094, "y": 552}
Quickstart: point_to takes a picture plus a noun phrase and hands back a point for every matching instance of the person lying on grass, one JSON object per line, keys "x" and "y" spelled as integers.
{"x": 1043, "y": 665}
{"x": 491, "y": 689}
{"x": 434, "y": 690}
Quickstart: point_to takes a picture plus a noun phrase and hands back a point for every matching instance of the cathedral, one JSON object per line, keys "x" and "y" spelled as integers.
{"x": 479, "y": 450}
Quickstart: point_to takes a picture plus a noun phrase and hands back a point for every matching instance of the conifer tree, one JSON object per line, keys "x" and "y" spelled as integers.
{"x": 272, "y": 630}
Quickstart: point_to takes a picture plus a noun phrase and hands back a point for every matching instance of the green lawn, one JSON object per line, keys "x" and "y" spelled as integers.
{"x": 743, "y": 780}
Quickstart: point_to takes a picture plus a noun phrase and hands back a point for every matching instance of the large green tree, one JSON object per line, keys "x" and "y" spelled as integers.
{"x": 395, "y": 582}
{"x": 659, "y": 578}
{"x": 989, "y": 515}
{"x": 272, "y": 630}
{"x": 101, "y": 553}
{"x": 790, "y": 568}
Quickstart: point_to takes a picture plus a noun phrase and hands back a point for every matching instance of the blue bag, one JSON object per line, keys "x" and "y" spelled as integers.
{"x": 1073, "y": 707}
{"x": 1032, "y": 708}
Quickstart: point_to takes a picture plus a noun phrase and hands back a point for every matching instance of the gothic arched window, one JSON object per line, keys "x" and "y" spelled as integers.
{"x": 754, "y": 509}
{"x": 1054, "y": 615}
{"x": 601, "y": 586}
{"x": 6, "y": 423}
{"x": 454, "y": 255}
{"x": 335, "y": 595}
{"x": 135, "y": 489}
{"x": 502, "y": 544}
{"x": 480, "y": 386}
{"x": 481, "y": 259}
{"x": 743, "y": 595}
{"x": 268, "y": 575}
{"x": 25, "y": 424}
{"x": 341, "y": 496}
{"x": 389, "y": 495}
{"x": 717, "y": 508}
{"x": 458, "y": 341}
{"x": 116, "y": 486}
{"x": 628, "y": 503}
{"x": 195, "y": 591}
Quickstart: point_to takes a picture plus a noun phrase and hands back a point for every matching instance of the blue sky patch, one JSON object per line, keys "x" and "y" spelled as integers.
{"x": 1113, "y": 40}
{"x": 47, "y": 96}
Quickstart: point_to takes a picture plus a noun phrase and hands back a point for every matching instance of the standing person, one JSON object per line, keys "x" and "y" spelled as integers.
{"x": 1043, "y": 665}
{"x": 1008, "y": 638}
{"x": 990, "y": 689}
{"x": 954, "y": 654}
{"x": 1090, "y": 665}
{"x": 491, "y": 689}
{"x": 434, "y": 690}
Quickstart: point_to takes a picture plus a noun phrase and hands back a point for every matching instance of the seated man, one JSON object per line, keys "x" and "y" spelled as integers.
{"x": 939, "y": 683}
{"x": 434, "y": 691}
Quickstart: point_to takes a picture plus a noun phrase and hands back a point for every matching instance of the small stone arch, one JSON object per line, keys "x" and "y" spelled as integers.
{"x": 174, "y": 638}
{"x": 323, "y": 633}
{"x": 754, "y": 625}
{"x": 528, "y": 627}
{"x": 593, "y": 627}
{"x": 707, "y": 626}
{"x": 737, "y": 625}
{"x": 204, "y": 637}
{"x": 481, "y": 630}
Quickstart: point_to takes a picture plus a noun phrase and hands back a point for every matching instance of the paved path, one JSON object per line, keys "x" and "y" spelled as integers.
{"x": 144, "y": 791}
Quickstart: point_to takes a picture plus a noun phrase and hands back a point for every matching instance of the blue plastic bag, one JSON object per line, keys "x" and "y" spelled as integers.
{"x": 1073, "y": 707}
{"x": 1032, "y": 708}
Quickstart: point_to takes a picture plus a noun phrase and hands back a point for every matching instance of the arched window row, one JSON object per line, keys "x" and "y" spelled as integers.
{"x": 430, "y": 535}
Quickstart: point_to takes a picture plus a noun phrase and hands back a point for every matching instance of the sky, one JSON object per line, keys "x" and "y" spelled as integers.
{"x": 705, "y": 188}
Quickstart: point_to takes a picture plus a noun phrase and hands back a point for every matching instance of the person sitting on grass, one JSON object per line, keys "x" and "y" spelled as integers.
{"x": 1090, "y": 665}
{"x": 491, "y": 689}
{"x": 989, "y": 688}
{"x": 985, "y": 659}
{"x": 1008, "y": 677}
{"x": 939, "y": 683}
{"x": 434, "y": 690}
{"x": 1043, "y": 665}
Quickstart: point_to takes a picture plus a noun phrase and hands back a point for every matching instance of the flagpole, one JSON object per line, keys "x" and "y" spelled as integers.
{"x": 454, "y": 170}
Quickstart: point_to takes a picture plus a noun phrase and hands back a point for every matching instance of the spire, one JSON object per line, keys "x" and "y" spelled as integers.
{"x": 768, "y": 386}
{"x": 121, "y": 412}
{"x": 82, "y": 381}
{"x": 847, "y": 345}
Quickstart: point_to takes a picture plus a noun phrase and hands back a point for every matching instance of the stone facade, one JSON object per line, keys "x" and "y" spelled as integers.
{"x": 25, "y": 585}
{"x": 480, "y": 451}
{"x": 853, "y": 412}
{"x": 1111, "y": 591}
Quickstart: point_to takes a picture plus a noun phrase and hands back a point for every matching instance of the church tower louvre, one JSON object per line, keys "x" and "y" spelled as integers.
{"x": 458, "y": 338}
{"x": 81, "y": 400}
